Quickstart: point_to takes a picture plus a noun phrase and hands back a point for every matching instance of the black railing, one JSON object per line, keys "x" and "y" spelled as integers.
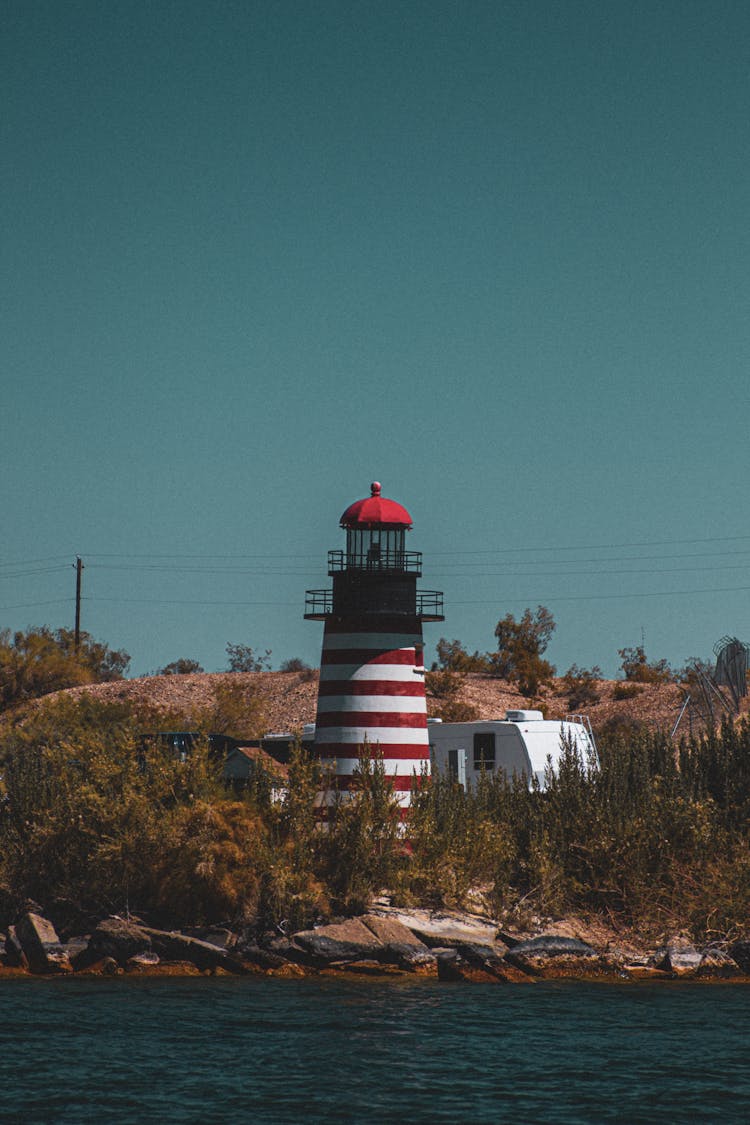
{"x": 403, "y": 562}
{"x": 430, "y": 605}
{"x": 319, "y": 604}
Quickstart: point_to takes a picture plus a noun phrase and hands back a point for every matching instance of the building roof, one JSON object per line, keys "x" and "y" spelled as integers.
{"x": 376, "y": 511}
{"x": 256, "y": 756}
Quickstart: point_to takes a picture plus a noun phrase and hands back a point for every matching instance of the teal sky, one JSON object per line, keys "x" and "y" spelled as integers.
{"x": 495, "y": 255}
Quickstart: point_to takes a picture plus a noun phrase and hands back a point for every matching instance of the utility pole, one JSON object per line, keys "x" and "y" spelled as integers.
{"x": 77, "y": 636}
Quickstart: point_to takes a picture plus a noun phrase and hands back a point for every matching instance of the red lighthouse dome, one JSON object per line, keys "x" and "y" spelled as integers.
{"x": 376, "y": 511}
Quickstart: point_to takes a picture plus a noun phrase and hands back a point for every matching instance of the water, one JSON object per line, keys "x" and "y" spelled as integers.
{"x": 258, "y": 1050}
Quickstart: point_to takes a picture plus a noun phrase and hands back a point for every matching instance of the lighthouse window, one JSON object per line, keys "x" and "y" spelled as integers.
{"x": 484, "y": 751}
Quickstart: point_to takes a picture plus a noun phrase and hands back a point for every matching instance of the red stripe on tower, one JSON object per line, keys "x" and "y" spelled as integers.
{"x": 371, "y": 694}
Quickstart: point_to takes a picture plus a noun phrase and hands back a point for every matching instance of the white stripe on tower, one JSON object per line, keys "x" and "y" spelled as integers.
{"x": 372, "y": 691}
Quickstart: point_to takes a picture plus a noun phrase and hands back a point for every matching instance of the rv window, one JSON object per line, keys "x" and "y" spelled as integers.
{"x": 484, "y": 751}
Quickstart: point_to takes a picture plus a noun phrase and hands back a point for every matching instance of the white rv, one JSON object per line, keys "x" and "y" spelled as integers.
{"x": 524, "y": 743}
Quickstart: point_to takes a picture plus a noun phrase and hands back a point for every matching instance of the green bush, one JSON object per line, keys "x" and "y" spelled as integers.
{"x": 626, "y": 691}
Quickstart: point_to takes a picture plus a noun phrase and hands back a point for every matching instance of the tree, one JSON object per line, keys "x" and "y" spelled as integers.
{"x": 294, "y": 664}
{"x": 446, "y": 687}
{"x": 520, "y": 646}
{"x": 242, "y": 658}
{"x": 181, "y": 667}
{"x": 639, "y": 670}
{"x": 581, "y": 686}
{"x": 453, "y": 657}
{"x": 42, "y": 660}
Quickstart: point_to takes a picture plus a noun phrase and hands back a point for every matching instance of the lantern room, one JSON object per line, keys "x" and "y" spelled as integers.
{"x": 375, "y": 574}
{"x": 375, "y": 532}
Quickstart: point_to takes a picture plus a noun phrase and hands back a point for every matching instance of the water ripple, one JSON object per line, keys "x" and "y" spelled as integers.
{"x": 179, "y": 1052}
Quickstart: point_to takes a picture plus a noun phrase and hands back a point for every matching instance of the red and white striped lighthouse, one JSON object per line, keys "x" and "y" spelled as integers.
{"x": 372, "y": 667}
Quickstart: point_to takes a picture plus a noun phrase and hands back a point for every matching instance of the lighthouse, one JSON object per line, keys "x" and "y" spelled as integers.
{"x": 372, "y": 691}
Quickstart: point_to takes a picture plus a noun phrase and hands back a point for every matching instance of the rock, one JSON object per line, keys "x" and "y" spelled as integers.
{"x": 14, "y": 955}
{"x": 220, "y": 936}
{"x": 287, "y": 950}
{"x": 114, "y": 937}
{"x": 176, "y": 969}
{"x": 638, "y": 971}
{"x": 715, "y": 964}
{"x": 400, "y": 945}
{"x": 480, "y": 964}
{"x": 443, "y": 929}
{"x": 369, "y": 968}
{"x": 552, "y": 956}
{"x": 10, "y": 972}
{"x": 251, "y": 953}
{"x": 142, "y": 962}
{"x": 342, "y": 941}
{"x": 680, "y": 958}
{"x": 76, "y": 947}
{"x": 41, "y": 945}
{"x": 740, "y": 952}
{"x": 174, "y": 946}
{"x": 288, "y": 969}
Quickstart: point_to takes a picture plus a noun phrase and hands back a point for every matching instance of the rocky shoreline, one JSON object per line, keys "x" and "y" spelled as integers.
{"x": 385, "y": 942}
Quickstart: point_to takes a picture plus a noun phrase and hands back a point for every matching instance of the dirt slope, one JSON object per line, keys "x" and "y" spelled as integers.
{"x": 288, "y": 698}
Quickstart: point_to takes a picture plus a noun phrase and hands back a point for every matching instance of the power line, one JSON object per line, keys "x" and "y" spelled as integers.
{"x": 483, "y": 601}
{"x": 438, "y": 554}
{"x": 624, "y": 558}
{"x": 33, "y": 562}
{"x": 182, "y": 601}
{"x": 541, "y": 598}
{"x": 35, "y": 605}
{"x": 27, "y": 573}
{"x": 598, "y": 546}
{"x": 592, "y": 573}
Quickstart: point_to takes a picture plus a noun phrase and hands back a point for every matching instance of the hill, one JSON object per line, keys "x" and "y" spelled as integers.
{"x": 286, "y": 700}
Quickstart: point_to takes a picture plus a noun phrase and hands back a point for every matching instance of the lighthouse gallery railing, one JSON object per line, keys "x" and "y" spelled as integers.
{"x": 319, "y": 603}
{"x": 407, "y": 562}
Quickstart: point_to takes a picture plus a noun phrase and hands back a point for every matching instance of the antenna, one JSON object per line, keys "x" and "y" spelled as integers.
{"x": 732, "y": 657}
{"x": 706, "y": 690}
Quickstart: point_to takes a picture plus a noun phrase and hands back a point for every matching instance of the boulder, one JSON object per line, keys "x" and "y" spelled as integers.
{"x": 369, "y": 968}
{"x": 740, "y": 953}
{"x": 118, "y": 938}
{"x": 177, "y": 947}
{"x": 342, "y": 941}
{"x": 288, "y": 969}
{"x": 14, "y": 955}
{"x": 286, "y": 949}
{"x": 176, "y": 969}
{"x": 715, "y": 964}
{"x": 41, "y": 945}
{"x": 637, "y": 970}
{"x": 442, "y": 929}
{"x": 221, "y": 936}
{"x": 259, "y": 958}
{"x": 400, "y": 945}
{"x": 142, "y": 962}
{"x": 477, "y": 964}
{"x": 679, "y": 957}
{"x": 552, "y": 956}
{"x": 76, "y": 947}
